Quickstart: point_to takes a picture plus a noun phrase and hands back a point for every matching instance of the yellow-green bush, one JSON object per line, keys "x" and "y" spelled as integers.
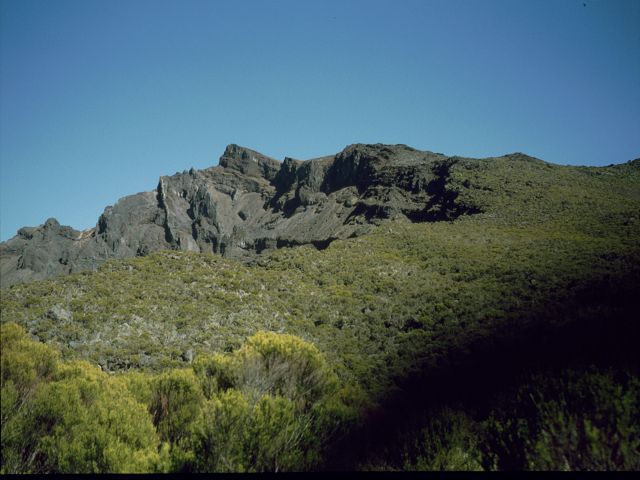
{"x": 175, "y": 401}
{"x": 281, "y": 364}
{"x": 279, "y": 435}
{"x": 234, "y": 434}
{"x": 24, "y": 362}
{"x": 88, "y": 423}
{"x": 215, "y": 372}
{"x": 139, "y": 385}
{"x": 273, "y": 404}
{"x": 220, "y": 435}
{"x": 76, "y": 419}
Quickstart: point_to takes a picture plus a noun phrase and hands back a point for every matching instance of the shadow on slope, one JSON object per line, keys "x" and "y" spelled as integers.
{"x": 593, "y": 325}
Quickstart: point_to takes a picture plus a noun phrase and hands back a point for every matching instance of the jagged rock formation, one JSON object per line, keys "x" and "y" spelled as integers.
{"x": 247, "y": 204}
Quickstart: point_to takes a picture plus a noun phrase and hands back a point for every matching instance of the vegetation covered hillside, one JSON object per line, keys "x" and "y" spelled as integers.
{"x": 495, "y": 337}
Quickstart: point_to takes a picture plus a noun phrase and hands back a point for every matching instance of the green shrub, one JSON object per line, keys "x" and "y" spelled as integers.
{"x": 273, "y": 404}
{"x": 24, "y": 362}
{"x": 215, "y": 372}
{"x": 234, "y": 435}
{"x": 279, "y": 435}
{"x": 219, "y": 437}
{"x": 578, "y": 420}
{"x": 139, "y": 385}
{"x": 449, "y": 441}
{"x": 285, "y": 365}
{"x": 587, "y": 422}
{"x": 82, "y": 421}
{"x": 176, "y": 397}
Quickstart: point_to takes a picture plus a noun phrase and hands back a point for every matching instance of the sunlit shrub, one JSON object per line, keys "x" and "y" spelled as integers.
{"x": 215, "y": 372}
{"x": 24, "y": 362}
{"x": 285, "y": 365}
{"x": 219, "y": 437}
{"x": 175, "y": 401}
{"x": 77, "y": 420}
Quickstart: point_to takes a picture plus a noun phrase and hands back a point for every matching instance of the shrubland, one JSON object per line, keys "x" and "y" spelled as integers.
{"x": 499, "y": 340}
{"x": 268, "y": 406}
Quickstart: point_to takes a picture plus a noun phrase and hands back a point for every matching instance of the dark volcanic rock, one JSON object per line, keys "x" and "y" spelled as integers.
{"x": 248, "y": 204}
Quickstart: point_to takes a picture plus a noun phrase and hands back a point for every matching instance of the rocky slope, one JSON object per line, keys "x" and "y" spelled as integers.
{"x": 247, "y": 204}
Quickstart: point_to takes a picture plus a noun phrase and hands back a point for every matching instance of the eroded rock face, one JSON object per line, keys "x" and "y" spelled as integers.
{"x": 247, "y": 204}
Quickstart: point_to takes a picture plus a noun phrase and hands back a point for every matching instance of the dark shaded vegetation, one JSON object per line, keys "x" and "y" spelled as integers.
{"x": 501, "y": 340}
{"x": 582, "y": 418}
{"x": 541, "y": 396}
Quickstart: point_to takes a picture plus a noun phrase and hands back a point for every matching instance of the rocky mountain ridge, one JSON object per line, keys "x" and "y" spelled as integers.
{"x": 247, "y": 204}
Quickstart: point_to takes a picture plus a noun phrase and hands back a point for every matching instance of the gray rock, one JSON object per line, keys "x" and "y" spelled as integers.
{"x": 59, "y": 314}
{"x": 246, "y": 205}
{"x": 188, "y": 356}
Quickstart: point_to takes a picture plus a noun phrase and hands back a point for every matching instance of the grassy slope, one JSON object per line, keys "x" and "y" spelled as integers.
{"x": 408, "y": 299}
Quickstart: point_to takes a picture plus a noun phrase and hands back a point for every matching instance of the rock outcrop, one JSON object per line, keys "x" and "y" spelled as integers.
{"x": 247, "y": 204}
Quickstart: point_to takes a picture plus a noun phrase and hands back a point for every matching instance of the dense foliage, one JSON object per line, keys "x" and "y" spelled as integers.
{"x": 68, "y": 417}
{"x": 279, "y": 403}
{"x": 587, "y": 419}
{"x": 404, "y": 348}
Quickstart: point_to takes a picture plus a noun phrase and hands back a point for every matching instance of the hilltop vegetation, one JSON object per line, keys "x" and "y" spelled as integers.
{"x": 424, "y": 333}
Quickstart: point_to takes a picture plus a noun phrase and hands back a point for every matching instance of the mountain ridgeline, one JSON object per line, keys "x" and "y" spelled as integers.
{"x": 432, "y": 313}
{"x": 248, "y": 204}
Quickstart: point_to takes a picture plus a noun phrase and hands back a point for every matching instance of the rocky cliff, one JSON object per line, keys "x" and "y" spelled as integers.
{"x": 247, "y": 204}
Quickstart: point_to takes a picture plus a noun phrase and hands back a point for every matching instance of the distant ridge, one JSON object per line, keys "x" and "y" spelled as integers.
{"x": 250, "y": 203}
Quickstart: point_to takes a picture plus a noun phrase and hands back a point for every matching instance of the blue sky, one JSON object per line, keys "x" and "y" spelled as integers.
{"x": 100, "y": 98}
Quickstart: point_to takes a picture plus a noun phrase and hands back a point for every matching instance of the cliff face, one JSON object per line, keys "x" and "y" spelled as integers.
{"x": 247, "y": 204}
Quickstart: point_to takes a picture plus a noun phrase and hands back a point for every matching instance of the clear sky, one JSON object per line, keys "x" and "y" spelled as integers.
{"x": 100, "y": 98}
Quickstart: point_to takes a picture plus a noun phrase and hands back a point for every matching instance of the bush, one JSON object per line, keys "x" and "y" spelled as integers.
{"x": 449, "y": 441}
{"x": 232, "y": 435}
{"x": 175, "y": 402}
{"x": 139, "y": 385}
{"x": 284, "y": 365}
{"x": 579, "y": 420}
{"x": 215, "y": 372}
{"x": 24, "y": 362}
{"x": 71, "y": 417}
{"x": 272, "y": 406}
{"x": 82, "y": 421}
{"x": 220, "y": 436}
{"x": 279, "y": 435}
{"x": 590, "y": 422}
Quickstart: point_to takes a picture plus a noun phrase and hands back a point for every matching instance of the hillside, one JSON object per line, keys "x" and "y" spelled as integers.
{"x": 512, "y": 275}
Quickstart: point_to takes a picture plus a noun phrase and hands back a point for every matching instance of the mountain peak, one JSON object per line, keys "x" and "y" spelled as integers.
{"x": 52, "y": 223}
{"x": 249, "y": 162}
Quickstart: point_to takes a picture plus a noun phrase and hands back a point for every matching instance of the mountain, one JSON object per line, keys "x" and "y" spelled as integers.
{"x": 247, "y": 204}
{"x": 467, "y": 314}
